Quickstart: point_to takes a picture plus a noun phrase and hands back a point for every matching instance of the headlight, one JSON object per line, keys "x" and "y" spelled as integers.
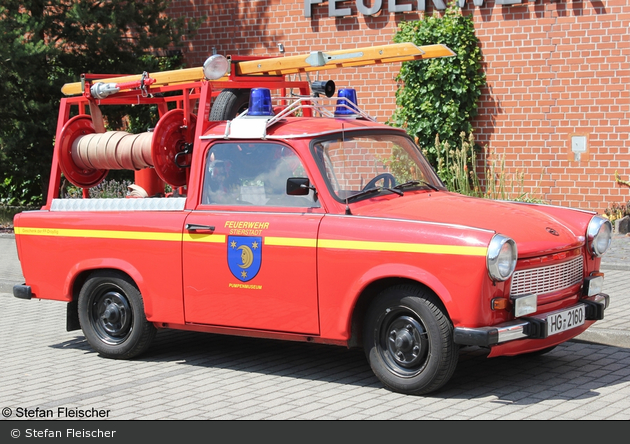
{"x": 598, "y": 235}
{"x": 501, "y": 258}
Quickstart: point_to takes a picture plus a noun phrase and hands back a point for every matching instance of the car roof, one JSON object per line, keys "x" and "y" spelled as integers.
{"x": 290, "y": 127}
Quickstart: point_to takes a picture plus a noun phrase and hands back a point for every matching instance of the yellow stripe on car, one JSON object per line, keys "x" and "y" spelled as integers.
{"x": 290, "y": 241}
{"x": 98, "y": 234}
{"x": 402, "y": 247}
{"x": 399, "y": 247}
{"x": 207, "y": 238}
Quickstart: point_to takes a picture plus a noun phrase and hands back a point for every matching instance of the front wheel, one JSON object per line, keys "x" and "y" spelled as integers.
{"x": 408, "y": 340}
{"x": 111, "y": 313}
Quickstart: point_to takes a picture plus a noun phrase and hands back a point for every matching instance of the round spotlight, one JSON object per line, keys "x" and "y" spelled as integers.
{"x": 215, "y": 67}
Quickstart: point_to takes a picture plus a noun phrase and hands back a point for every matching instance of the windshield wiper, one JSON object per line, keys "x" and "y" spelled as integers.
{"x": 413, "y": 183}
{"x": 395, "y": 190}
{"x": 364, "y": 193}
{"x": 373, "y": 190}
{"x": 369, "y": 191}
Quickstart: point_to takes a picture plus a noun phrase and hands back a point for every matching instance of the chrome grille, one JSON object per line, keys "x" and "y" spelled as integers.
{"x": 547, "y": 279}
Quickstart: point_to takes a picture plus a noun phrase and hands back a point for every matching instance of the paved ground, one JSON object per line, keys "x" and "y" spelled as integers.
{"x": 188, "y": 375}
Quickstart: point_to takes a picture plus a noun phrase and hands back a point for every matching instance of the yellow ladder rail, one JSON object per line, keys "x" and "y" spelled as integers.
{"x": 318, "y": 60}
{"x": 314, "y": 61}
{"x": 162, "y": 78}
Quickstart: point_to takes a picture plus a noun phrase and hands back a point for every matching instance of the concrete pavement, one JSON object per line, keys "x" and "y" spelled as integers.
{"x": 10, "y": 271}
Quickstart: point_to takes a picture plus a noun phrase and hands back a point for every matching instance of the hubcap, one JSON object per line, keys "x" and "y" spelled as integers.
{"x": 111, "y": 316}
{"x": 403, "y": 343}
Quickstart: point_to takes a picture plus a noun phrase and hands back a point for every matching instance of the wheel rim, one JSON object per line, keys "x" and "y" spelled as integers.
{"x": 403, "y": 342}
{"x": 111, "y": 316}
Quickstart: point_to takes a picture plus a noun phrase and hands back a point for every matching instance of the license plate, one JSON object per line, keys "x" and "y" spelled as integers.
{"x": 564, "y": 320}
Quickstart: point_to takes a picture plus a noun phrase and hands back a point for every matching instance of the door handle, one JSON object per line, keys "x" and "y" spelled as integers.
{"x": 197, "y": 227}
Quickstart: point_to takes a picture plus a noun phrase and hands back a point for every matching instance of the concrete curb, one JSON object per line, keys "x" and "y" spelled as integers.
{"x": 613, "y": 338}
{"x": 615, "y": 266}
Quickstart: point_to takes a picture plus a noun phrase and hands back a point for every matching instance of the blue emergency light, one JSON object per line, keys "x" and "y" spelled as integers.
{"x": 260, "y": 102}
{"x": 346, "y": 102}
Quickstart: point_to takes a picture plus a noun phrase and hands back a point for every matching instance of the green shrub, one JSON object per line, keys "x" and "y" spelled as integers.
{"x": 438, "y": 97}
{"x": 7, "y": 213}
{"x": 456, "y": 166}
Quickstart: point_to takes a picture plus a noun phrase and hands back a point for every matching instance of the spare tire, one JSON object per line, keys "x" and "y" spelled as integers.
{"x": 229, "y": 104}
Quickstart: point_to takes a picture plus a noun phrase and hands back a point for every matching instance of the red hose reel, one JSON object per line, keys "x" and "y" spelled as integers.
{"x": 85, "y": 156}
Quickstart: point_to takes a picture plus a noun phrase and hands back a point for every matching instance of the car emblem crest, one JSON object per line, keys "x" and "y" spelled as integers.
{"x": 244, "y": 256}
{"x": 552, "y": 231}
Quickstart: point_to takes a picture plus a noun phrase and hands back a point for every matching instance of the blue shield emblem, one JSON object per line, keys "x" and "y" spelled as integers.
{"x": 244, "y": 256}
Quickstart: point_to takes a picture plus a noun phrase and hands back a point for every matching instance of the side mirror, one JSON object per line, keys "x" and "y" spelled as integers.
{"x": 298, "y": 186}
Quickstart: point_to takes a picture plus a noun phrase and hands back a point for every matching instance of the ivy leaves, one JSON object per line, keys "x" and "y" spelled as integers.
{"x": 438, "y": 97}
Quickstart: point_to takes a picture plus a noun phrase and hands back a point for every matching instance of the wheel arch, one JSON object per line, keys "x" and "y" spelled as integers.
{"x": 370, "y": 291}
{"x": 82, "y": 271}
{"x": 111, "y": 314}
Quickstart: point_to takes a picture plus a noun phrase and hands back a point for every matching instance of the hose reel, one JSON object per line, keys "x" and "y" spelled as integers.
{"x": 85, "y": 156}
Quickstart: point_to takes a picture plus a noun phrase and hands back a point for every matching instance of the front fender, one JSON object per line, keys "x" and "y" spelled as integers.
{"x": 336, "y": 319}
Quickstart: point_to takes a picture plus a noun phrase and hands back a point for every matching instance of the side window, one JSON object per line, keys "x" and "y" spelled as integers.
{"x": 252, "y": 174}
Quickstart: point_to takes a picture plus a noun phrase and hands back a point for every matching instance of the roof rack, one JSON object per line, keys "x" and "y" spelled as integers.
{"x": 255, "y": 127}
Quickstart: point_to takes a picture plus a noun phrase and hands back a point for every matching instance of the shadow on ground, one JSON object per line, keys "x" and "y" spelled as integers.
{"x": 571, "y": 371}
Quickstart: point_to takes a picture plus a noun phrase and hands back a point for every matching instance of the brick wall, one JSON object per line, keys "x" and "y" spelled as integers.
{"x": 557, "y": 72}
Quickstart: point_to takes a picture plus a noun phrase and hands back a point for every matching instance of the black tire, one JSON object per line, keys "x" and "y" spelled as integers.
{"x": 408, "y": 340}
{"x": 229, "y": 104}
{"x": 111, "y": 314}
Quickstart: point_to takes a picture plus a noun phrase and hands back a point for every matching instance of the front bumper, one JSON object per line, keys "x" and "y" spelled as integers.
{"x": 530, "y": 327}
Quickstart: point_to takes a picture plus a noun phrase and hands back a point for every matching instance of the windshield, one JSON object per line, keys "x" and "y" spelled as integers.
{"x": 355, "y": 164}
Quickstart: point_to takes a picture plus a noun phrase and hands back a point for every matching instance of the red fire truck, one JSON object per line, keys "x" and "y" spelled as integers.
{"x": 291, "y": 214}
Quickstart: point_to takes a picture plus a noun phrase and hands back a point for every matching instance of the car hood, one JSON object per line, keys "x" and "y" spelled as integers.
{"x": 534, "y": 231}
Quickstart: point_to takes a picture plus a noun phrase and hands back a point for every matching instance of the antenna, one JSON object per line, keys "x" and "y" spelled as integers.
{"x": 343, "y": 139}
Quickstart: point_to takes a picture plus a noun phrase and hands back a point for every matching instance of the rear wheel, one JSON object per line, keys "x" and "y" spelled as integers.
{"x": 111, "y": 313}
{"x": 408, "y": 340}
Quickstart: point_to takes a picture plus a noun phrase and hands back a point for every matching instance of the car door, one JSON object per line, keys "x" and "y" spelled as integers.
{"x": 249, "y": 254}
